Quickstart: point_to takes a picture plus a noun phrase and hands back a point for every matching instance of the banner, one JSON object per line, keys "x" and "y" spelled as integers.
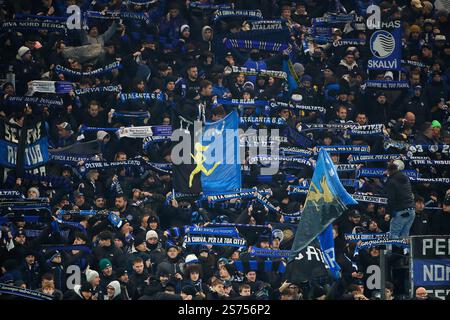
{"x": 430, "y": 256}
{"x": 385, "y": 44}
{"x": 36, "y": 145}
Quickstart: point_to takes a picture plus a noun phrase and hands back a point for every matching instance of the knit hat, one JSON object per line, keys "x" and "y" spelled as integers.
{"x": 120, "y": 272}
{"x": 151, "y": 234}
{"x": 86, "y": 287}
{"x": 104, "y": 263}
{"x": 436, "y": 124}
{"x": 191, "y": 258}
{"x": 138, "y": 241}
{"x": 21, "y": 52}
{"x": 298, "y": 67}
{"x": 36, "y": 190}
{"x": 307, "y": 77}
{"x": 189, "y": 290}
{"x": 183, "y": 27}
{"x": 91, "y": 275}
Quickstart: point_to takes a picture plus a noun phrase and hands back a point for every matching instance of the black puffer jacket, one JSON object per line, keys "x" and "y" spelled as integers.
{"x": 399, "y": 192}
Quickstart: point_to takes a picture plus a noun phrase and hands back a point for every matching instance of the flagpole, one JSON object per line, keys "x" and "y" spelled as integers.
{"x": 383, "y": 274}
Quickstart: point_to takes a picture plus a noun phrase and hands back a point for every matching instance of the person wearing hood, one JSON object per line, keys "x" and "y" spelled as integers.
{"x": 155, "y": 248}
{"x": 55, "y": 266}
{"x": 347, "y": 65}
{"x": 114, "y": 291}
{"x": 26, "y": 70}
{"x": 379, "y": 111}
{"x": 173, "y": 263}
{"x": 417, "y": 104}
{"x": 206, "y": 44}
{"x": 437, "y": 93}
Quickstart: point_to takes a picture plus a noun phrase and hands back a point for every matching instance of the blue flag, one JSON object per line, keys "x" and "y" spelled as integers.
{"x": 326, "y": 200}
{"x": 220, "y": 145}
{"x": 291, "y": 75}
{"x": 326, "y": 241}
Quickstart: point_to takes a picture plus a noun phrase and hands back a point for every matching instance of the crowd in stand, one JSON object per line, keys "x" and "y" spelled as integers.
{"x": 182, "y": 56}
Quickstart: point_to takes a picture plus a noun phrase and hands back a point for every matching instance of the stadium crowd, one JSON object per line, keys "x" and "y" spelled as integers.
{"x": 182, "y": 56}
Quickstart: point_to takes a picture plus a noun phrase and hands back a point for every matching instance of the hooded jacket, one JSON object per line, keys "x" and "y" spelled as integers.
{"x": 117, "y": 290}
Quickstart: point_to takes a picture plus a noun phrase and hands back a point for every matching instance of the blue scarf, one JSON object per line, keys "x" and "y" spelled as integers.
{"x": 99, "y": 89}
{"x": 213, "y": 236}
{"x": 381, "y": 84}
{"x": 270, "y": 159}
{"x": 131, "y": 114}
{"x": 112, "y": 15}
{"x": 24, "y": 293}
{"x": 430, "y": 162}
{"x": 61, "y": 247}
{"x": 27, "y": 25}
{"x": 296, "y": 151}
{"x": 231, "y": 13}
{"x": 142, "y": 96}
{"x": 77, "y": 74}
{"x": 367, "y": 130}
{"x": 256, "y": 44}
{"x": 373, "y": 158}
{"x": 209, "y": 6}
{"x": 37, "y": 101}
{"x": 348, "y": 42}
{"x": 141, "y": 163}
{"x": 69, "y": 159}
{"x": 379, "y": 173}
{"x": 260, "y": 252}
{"x": 262, "y": 120}
{"x": 351, "y": 149}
